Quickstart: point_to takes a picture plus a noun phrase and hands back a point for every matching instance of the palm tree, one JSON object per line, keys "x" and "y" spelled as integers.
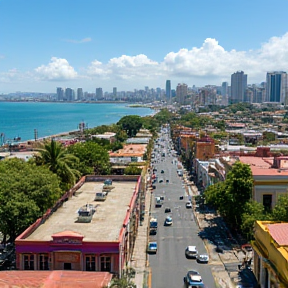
{"x": 53, "y": 155}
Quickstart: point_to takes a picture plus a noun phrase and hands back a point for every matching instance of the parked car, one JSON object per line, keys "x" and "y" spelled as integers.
{"x": 202, "y": 258}
{"x": 168, "y": 221}
{"x": 167, "y": 210}
{"x": 188, "y": 205}
{"x": 162, "y": 171}
{"x": 152, "y": 247}
{"x": 181, "y": 197}
{"x": 191, "y": 252}
{"x": 193, "y": 279}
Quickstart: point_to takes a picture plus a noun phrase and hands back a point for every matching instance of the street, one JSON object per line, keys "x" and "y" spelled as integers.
{"x": 169, "y": 265}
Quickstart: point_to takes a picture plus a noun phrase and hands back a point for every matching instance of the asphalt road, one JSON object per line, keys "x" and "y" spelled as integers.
{"x": 169, "y": 265}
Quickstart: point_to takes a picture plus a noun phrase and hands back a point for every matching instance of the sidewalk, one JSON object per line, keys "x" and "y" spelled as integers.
{"x": 139, "y": 257}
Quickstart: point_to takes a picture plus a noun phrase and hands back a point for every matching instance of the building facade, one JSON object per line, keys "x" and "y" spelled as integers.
{"x": 181, "y": 93}
{"x": 82, "y": 234}
{"x": 238, "y": 87}
{"x": 271, "y": 254}
{"x": 276, "y": 86}
{"x": 168, "y": 90}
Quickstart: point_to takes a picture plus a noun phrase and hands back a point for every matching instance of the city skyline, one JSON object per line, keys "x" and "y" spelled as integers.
{"x": 129, "y": 45}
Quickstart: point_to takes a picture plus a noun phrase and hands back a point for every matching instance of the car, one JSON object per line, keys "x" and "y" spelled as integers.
{"x": 191, "y": 252}
{"x": 193, "y": 279}
{"x": 152, "y": 247}
{"x": 181, "y": 197}
{"x": 167, "y": 210}
{"x": 162, "y": 171}
{"x": 202, "y": 258}
{"x": 188, "y": 205}
{"x": 168, "y": 221}
{"x": 167, "y": 180}
{"x": 161, "y": 181}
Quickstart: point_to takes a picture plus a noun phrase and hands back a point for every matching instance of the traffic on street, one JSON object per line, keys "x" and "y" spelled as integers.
{"x": 180, "y": 259}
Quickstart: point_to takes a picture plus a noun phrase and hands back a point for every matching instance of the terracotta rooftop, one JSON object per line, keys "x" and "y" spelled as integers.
{"x": 279, "y": 232}
{"x": 54, "y": 279}
{"x": 262, "y": 166}
{"x": 130, "y": 150}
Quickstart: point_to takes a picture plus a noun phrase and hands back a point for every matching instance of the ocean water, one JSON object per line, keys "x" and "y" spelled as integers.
{"x": 20, "y": 119}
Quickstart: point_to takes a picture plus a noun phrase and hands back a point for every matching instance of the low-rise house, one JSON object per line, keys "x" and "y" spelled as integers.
{"x": 271, "y": 254}
{"x": 129, "y": 153}
{"x": 82, "y": 234}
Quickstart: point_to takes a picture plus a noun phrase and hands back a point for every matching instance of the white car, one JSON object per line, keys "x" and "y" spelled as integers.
{"x": 202, "y": 258}
{"x": 188, "y": 205}
{"x": 168, "y": 221}
{"x": 191, "y": 252}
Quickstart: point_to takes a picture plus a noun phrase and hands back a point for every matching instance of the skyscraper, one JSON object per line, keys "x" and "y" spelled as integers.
{"x": 60, "y": 94}
{"x": 168, "y": 90}
{"x": 80, "y": 94}
{"x": 276, "y": 87}
{"x": 99, "y": 93}
{"x": 69, "y": 94}
{"x": 238, "y": 87}
{"x": 181, "y": 93}
{"x": 114, "y": 92}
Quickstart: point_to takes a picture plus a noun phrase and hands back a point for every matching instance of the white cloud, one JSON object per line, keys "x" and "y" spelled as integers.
{"x": 84, "y": 40}
{"x": 57, "y": 69}
{"x": 208, "y": 64}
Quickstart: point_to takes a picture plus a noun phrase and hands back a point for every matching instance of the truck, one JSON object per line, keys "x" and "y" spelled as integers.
{"x": 153, "y": 226}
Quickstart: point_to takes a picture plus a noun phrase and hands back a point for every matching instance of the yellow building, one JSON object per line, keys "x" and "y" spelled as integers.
{"x": 271, "y": 254}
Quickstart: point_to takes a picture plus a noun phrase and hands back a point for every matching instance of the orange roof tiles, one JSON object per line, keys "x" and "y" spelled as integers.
{"x": 130, "y": 150}
{"x": 54, "y": 279}
{"x": 279, "y": 232}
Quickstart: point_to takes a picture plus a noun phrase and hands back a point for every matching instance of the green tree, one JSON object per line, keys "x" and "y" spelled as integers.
{"x": 132, "y": 170}
{"x": 253, "y": 211}
{"x": 280, "y": 211}
{"x": 93, "y": 158}
{"x": 54, "y": 156}
{"x": 131, "y": 124}
{"x": 239, "y": 184}
{"x": 26, "y": 192}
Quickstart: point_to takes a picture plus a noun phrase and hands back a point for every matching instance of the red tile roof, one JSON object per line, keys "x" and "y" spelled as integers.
{"x": 54, "y": 279}
{"x": 262, "y": 166}
{"x": 279, "y": 232}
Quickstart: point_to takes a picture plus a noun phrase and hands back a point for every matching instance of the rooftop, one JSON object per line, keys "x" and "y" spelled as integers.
{"x": 279, "y": 232}
{"x": 130, "y": 150}
{"x": 109, "y": 214}
{"x": 261, "y": 166}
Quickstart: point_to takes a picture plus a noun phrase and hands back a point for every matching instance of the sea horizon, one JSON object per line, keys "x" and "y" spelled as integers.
{"x": 23, "y": 119}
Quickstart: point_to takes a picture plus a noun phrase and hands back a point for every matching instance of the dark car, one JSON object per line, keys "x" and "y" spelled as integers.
{"x": 167, "y": 210}
{"x": 193, "y": 279}
{"x": 162, "y": 171}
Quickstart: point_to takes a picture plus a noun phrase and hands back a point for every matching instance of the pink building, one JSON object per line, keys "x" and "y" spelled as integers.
{"x": 82, "y": 234}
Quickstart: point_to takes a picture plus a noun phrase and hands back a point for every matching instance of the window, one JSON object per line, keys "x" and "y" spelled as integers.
{"x": 28, "y": 262}
{"x": 105, "y": 263}
{"x": 90, "y": 263}
{"x": 43, "y": 262}
{"x": 267, "y": 202}
{"x": 67, "y": 266}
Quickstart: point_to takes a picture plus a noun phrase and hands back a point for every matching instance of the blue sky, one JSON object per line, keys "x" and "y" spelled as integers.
{"x": 128, "y": 44}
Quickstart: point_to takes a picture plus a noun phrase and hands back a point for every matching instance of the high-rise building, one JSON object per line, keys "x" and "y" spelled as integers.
{"x": 168, "y": 90}
{"x": 99, "y": 93}
{"x": 181, "y": 93}
{"x": 114, "y": 92}
{"x": 238, "y": 87}
{"x": 80, "y": 94}
{"x": 69, "y": 94}
{"x": 276, "y": 87}
{"x": 60, "y": 94}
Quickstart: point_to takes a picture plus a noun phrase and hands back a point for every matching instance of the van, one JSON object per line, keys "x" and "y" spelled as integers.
{"x": 100, "y": 196}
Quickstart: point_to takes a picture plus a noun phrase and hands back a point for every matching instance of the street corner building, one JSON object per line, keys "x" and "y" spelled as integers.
{"x": 271, "y": 253}
{"x": 82, "y": 233}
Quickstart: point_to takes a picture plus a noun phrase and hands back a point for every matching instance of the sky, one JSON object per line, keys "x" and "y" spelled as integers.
{"x": 130, "y": 44}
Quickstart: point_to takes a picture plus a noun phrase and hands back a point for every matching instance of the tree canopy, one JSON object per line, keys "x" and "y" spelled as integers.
{"x": 25, "y": 194}
{"x": 131, "y": 124}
